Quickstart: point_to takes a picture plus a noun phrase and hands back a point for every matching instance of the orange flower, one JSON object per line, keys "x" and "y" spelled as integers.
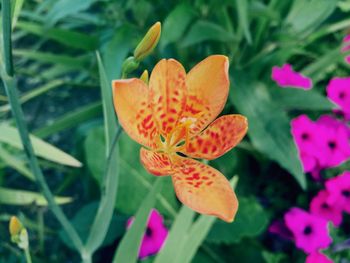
{"x": 175, "y": 114}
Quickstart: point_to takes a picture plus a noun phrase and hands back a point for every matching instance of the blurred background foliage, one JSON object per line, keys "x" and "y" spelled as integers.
{"x": 55, "y": 44}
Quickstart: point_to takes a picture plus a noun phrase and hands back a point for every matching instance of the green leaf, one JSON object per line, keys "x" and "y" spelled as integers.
{"x": 116, "y": 50}
{"x": 16, "y": 10}
{"x": 178, "y": 231}
{"x": 135, "y": 182}
{"x": 21, "y": 197}
{"x": 16, "y": 163}
{"x": 128, "y": 248}
{"x": 203, "y": 31}
{"x": 77, "y": 62}
{"x": 306, "y": 15}
{"x": 10, "y": 136}
{"x": 50, "y": 85}
{"x": 6, "y": 37}
{"x": 83, "y": 220}
{"x": 251, "y": 220}
{"x": 110, "y": 119}
{"x": 291, "y": 98}
{"x": 318, "y": 68}
{"x": 269, "y": 128}
{"x": 176, "y": 23}
{"x": 64, "y": 8}
{"x": 63, "y": 36}
{"x": 242, "y": 10}
{"x": 71, "y": 119}
{"x": 94, "y": 145}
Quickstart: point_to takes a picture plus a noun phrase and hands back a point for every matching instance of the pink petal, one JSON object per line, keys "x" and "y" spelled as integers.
{"x": 286, "y": 77}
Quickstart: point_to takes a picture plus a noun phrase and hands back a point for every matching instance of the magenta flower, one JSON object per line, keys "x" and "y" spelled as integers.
{"x": 305, "y": 134}
{"x": 319, "y": 206}
{"x": 338, "y": 91}
{"x": 330, "y": 121}
{"x": 339, "y": 191}
{"x": 285, "y": 76}
{"x": 155, "y": 235}
{"x": 310, "y": 231}
{"x": 317, "y": 257}
{"x": 333, "y": 144}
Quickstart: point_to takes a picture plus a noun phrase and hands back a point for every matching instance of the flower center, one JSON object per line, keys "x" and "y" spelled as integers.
{"x": 346, "y": 193}
{"x": 305, "y": 136}
{"x": 342, "y": 95}
{"x": 149, "y": 232}
{"x": 307, "y": 230}
{"x": 325, "y": 206}
{"x": 332, "y": 145}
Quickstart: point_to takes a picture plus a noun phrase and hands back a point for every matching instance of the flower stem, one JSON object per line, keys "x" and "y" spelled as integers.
{"x": 27, "y": 254}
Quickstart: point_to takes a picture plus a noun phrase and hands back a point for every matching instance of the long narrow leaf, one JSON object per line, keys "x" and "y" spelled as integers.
{"x": 10, "y": 136}
{"x": 21, "y": 197}
{"x": 176, "y": 236}
{"x": 6, "y": 29}
{"x": 128, "y": 248}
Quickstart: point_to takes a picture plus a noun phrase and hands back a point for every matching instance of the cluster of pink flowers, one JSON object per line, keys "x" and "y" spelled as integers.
{"x": 321, "y": 144}
{"x": 324, "y": 143}
{"x": 309, "y": 229}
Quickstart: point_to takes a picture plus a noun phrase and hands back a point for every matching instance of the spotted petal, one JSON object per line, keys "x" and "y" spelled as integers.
{"x": 204, "y": 189}
{"x": 208, "y": 85}
{"x": 155, "y": 162}
{"x": 220, "y": 136}
{"x": 134, "y": 112}
{"x": 167, "y": 94}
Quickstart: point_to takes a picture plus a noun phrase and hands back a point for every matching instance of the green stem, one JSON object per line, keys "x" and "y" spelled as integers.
{"x": 11, "y": 91}
{"x": 6, "y": 29}
{"x": 12, "y": 94}
{"x": 27, "y": 254}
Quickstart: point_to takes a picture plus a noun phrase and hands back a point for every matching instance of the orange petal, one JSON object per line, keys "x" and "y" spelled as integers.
{"x": 208, "y": 85}
{"x": 155, "y": 163}
{"x": 204, "y": 189}
{"x": 133, "y": 110}
{"x": 220, "y": 136}
{"x": 167, "y": 94}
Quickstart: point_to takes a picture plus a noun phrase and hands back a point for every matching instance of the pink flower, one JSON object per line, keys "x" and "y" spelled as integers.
{"x": 339, "y": 191}
{"x": 338, "y": 91}
{"x": 287, "y": 77}
{"x": 333, "y": 144}
{"x": 310, "y": 231}
{"x": 320, "y": 207}
{"x": 317, "y": 257}
{"x": 155, "y": 235}
{"x": 330, "y": 121}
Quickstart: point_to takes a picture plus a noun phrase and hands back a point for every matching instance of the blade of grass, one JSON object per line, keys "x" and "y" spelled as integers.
{"x": 242, "y": 10}
{"x": 15, "y": 163}
{"x": 128, "y": 248}
{"x": 11, "y": 136}
{"x": 21, "y": 197}
{"x": 6, "y": 29}
{"x": 105, "y": 210}
{"x": 12, "y": 94}
{"x": 70, "y": 119}
{"x": 111, "y": 176}
{"x": 176, "y": 235}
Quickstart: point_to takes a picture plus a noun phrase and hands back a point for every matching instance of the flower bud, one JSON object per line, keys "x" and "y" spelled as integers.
{"x": 148, "y": 43}
{"x": 15, "y": 226}
{"x": 144, "y": 76}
